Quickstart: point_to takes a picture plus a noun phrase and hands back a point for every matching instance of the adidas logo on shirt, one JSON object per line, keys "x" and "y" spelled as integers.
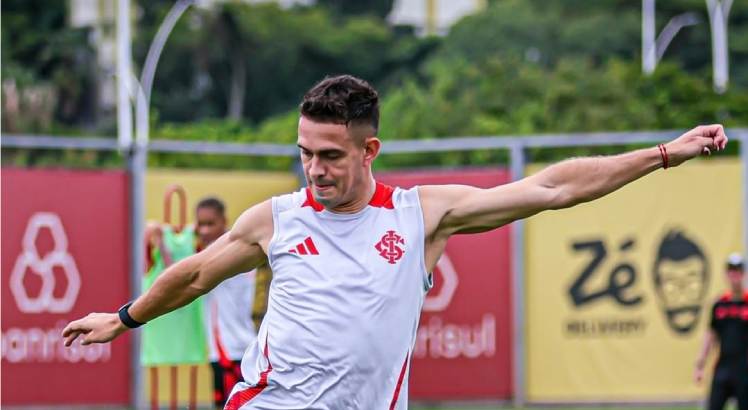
{"x": 305, "y": 248}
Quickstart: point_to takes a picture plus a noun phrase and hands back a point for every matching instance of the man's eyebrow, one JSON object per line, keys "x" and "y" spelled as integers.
{"x": 322, "y": 151}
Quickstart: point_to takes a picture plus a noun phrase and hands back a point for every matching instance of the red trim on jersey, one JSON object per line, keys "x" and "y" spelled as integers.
{"x": 242, "y": 397}
{"x": 728, "y": 296}
{"x": 223, "y": 359}
{"x": 382, "y": 198}
{"x": 399, "y": 382}
{"x": 318, "y": 207}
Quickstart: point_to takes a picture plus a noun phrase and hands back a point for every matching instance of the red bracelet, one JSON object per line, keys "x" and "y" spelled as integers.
{"x": 663, "y": 155}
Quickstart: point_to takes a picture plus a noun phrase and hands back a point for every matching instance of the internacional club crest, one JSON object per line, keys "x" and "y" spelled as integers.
{"x": 389, "y": 247}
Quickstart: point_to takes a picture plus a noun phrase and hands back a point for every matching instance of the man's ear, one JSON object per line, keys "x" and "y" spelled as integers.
{"x": 372, "y": 145}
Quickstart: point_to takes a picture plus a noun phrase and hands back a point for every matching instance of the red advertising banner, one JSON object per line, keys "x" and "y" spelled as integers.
{"x": 463, "y": 345}
{"x": 65, "y": 241}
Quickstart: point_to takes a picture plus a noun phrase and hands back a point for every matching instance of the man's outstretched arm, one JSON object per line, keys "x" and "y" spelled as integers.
{"x": 239, "y": 250}
{"x": 463, "y": 209}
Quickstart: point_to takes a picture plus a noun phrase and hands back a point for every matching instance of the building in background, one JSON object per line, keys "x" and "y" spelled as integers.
{"x": 100, "y": 16}
{"x": 282, "y": 3}
{"x": 427, "y": 17}
{"x": 432, "y": 17}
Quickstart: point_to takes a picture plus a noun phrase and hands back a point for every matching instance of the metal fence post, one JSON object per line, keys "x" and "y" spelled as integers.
{"x": 518, "y": 159}
{"x": 743, "y": 137}
{"x": 136, "y": 165}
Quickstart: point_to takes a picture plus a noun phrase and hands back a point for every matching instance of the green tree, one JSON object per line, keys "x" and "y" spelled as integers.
{"x": 44, "y": 59}
{"x": 255, "y": 61}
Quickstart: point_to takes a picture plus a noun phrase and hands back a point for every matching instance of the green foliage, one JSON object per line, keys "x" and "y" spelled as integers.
{"x": 236, "y": 73}
{"x": 279, "y": 130}
{"x": 84, "y": 159}
{"x": 47, "y": 63}
{"x": 482, "y": 406}
{"x": 546, "y": 31}
{"x": 265, "y": 57}
{"x": 379, "y": 8}
{"x": 508, "y": 97}
{"x": 533, "y": 67}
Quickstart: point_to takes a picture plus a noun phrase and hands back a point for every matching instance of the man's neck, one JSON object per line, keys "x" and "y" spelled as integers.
{"x": 737, "y": 293}
{"x": 358, "y": 203}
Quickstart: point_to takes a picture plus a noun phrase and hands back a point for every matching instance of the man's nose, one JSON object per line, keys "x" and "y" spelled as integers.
{"x": 316, "y": 167}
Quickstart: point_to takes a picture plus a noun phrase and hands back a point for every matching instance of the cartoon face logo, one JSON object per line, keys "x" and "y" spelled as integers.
{"x": 389, "y": 247}
{"x": 681, "y": 276}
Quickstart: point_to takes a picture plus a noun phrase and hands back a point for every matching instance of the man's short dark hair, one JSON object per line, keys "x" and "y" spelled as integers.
{"x": 677, "y": 247}
{"x": 342, "y": 99}
{"x": 213, "y": 203}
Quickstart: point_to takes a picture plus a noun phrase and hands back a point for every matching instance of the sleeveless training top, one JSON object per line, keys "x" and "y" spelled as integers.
{"x": 343, "y": 309}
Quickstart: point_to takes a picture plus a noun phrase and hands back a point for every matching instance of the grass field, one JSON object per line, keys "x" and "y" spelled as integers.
{"x": 411, "y": 407}
{"x": 731, "y": 405}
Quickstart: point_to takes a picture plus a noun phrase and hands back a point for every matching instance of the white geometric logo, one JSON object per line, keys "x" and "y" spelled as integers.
{"x": 29, "y": 261}
{"x": 439, "y": 301}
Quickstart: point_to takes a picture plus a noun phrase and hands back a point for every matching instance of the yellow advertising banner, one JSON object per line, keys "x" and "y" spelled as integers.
{"x": 238, "y": 189}
{"x": 619, "y": 290}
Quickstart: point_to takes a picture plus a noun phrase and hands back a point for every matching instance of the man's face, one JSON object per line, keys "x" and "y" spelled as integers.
{"x": 210, "y": 225}
{"x": 735, "y": 278}
{"x": 681, "y": 288}
{"x": 335, "y": 163}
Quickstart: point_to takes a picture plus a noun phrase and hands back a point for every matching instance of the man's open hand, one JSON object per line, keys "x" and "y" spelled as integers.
{"x": 95, "y": 328}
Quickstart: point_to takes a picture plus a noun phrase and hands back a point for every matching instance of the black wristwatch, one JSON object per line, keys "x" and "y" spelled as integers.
{"x": 125, "y": 317}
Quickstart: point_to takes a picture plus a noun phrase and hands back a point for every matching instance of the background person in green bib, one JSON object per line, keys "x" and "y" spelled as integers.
{"x": 178, "y": 338}
{"x": 228, "y": 315}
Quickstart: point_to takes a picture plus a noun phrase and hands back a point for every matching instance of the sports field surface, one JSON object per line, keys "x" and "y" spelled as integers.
{"x": 417, "y": 407}
{"x": 488, "y": 407}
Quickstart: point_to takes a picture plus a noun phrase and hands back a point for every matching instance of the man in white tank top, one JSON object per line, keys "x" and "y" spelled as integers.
{"x": 351, "y": 257}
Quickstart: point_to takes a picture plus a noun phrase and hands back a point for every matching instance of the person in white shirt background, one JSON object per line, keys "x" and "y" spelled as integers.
{"x": 228, "y": 307}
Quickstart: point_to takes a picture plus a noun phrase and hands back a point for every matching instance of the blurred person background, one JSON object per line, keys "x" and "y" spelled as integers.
{"x": 233, "y": 310}
{"x": 728, "y": 334}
